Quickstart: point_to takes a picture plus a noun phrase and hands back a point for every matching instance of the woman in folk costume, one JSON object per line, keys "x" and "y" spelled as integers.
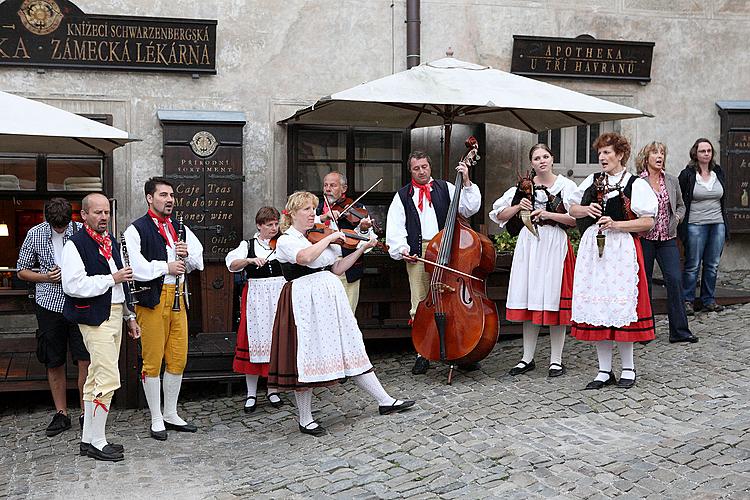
{"x": 258, "y": 305}
{"x": 610, "y": 290}
{"x": 541, "y": 276}
{"x": 316, "y": 340}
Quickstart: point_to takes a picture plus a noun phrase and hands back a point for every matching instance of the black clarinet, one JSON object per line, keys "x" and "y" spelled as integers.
{"x": 130, "y": 282}
{"x": 180, "y": 237}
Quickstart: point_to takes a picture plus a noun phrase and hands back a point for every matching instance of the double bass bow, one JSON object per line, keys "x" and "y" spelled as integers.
{"x": 457, "y": 323}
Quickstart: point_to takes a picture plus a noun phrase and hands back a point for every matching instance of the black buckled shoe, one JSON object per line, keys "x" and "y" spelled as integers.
{"x": 396, "y": 407}
{"x": 275, "y": 404}
{"x": 470, "y": 367}
{"x": 626, "y": 383}
{"x": 315, "y": 431}
{"x": 84, "y": 448}
{"x": 527, "y": 367}
{"x": 106, "y": 454}
{"x": 180, "y": 428}
{"x": 251, "y": 408}
{"x": 60, "y": 423}
{"x": 421, "y": 365}
{"x": 598, "y": 384}
{"x": 159, "y": 435}
{"x": 556, "y": 369}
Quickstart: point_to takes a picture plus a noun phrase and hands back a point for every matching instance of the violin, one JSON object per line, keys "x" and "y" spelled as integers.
{"x": 320, "y": 231}
{"x": 354, "y": 214}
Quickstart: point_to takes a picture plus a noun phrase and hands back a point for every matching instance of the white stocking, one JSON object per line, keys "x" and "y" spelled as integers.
{"x": 88, "y": 414}
{"x": 369, "y": 383}
{"x": 626, "y": 355}
{"x": 152, "y": 389}
{"x": 172, "y": 384}
{"x": 530, "y": 336}
{"x": 98, "y": 423}
{"x": 304, "y": 408}
{"x": 604, "y": 352}
{"x": 252, "y": 388}
{"x": 556, "y": 341}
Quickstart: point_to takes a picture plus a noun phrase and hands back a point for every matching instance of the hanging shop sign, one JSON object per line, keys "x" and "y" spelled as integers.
{"x": 735, "y": 161}
{"x": 582, "y": 57}
{"x": 57, "y": 34}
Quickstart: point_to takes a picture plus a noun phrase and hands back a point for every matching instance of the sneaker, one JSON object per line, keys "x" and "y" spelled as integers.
{"x": 60, "y": 422}
{"x": 713, "y": 307}
{"x": 689, "y": 309}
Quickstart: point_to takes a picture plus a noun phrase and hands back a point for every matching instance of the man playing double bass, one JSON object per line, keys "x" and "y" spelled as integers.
{"x": 329, "y": 210}
{"x": 416, "y": 214}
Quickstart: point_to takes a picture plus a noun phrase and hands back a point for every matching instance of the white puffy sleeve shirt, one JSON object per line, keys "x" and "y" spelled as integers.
{"x": 643, "y": 201}
{"x": 292, "y": 241}
{"x": 395, "y": 231}
{"x": 77, "y": 283}
{"x": 147, "y": 270}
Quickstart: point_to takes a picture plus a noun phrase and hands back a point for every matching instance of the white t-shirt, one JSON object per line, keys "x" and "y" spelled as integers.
{"x": 57, "y": 244}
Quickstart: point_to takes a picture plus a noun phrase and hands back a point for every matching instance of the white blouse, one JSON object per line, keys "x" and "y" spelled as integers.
{"x": 262, "y": 250}
{"x": 643, "y": 201}
{"x": 562, "y": 187}
{"x": 292, "y": 241}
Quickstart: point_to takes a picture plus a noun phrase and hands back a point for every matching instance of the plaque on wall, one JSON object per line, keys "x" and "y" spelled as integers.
{"x": 582, "y": 57}
{"x": 735, "y": 161}
{"x": 57, "y": 34}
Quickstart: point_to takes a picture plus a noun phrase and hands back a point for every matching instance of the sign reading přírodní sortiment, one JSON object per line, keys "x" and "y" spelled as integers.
{"x": 56, "y": 33}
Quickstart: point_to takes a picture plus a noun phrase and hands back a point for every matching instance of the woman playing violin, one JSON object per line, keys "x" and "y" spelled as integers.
{"x": 257, "y": 259}
{"x": 316, "y": 340}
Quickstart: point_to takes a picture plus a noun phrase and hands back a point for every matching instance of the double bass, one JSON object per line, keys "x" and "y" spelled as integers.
{"x": 457, "y": 323}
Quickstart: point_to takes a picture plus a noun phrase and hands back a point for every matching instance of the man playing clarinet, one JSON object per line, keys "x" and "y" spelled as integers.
{"x": 161, "y": 258}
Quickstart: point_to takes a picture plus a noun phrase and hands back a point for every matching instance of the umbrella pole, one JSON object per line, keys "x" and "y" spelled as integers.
{"x": 447, "y": 151}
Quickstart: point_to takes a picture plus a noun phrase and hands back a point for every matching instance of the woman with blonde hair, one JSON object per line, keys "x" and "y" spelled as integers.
{"x": 660, "y": 242}
{"x": 316, "y": 340}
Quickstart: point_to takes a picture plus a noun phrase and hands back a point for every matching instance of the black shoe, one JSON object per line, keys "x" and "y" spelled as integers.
{"x": 626, "y": 383}
{"x": 556, "y": 369}
{"x": 690, "y": 338}
{"x": 689, "y": 310}
{"x": 527, "y": 367}
{"x": 180, "y": 428}
{"x": 598, "y": 384}
{"x": 395, "y": 408}
{"x": 645, "y": 342}
{"x": 107, "y": 454}
{"x": 315, "y": 431}
{"x": 421, "y": 365}
{"x": 713, "y": 307}
{"x": 275, "y": 404}
{"x": 84, "y": 448}
{"x": 80, "y": 421}
{"x": 60, "y": 422}
{"x": 251, "y": 408}
{"x": 159, "y": 435}
{"x": 470, "y": 367}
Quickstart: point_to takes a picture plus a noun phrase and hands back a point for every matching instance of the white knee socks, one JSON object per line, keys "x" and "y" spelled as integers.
{"x": 556, "y": 341}
{"x": 304, "y": 408}
{"x": 152, "y": 389}
{"x": 99, "y": 415}
{"x": 530, "y": 336}
{"x": 369, "y": 383}
{"x": 626, "y": 355}
{"x": 252, "y": 389}
{"x": 172, "y": 384}
{"x": 604, "y": 352}
{"x": 88, "y": 414}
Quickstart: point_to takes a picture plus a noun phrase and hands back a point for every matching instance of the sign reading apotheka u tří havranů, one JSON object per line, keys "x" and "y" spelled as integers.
{"x": 57, "y": 34}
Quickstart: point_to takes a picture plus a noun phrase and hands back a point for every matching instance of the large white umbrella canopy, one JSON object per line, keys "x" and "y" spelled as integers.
{"x": 28, "y": 126}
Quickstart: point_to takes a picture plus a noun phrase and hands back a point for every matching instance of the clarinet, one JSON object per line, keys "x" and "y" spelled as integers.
{"x": 130, "y": 282}
{"x": 177, "y": 294}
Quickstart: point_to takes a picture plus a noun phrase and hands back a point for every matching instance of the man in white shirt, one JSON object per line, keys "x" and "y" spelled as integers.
{"x": 95, "y": 299}
{"x": 416, "y": 214}
{"x": 159, "y": 256}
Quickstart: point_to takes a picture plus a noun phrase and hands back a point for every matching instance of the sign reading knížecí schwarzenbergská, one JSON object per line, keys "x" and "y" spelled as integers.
{"x": 57, "y": 34}
{"x": 582, "y": 57}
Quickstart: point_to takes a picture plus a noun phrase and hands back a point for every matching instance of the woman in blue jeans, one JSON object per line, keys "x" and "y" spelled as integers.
{"x": 703, "y": 231}
{"x": 660, "y": 243}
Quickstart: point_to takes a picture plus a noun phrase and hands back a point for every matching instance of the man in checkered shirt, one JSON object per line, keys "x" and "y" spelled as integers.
{"x": 42, "y": 249}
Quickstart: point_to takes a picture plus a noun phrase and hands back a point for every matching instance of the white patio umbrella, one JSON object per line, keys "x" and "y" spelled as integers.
{"x": 449, "y": 91}
{"x": 28, "y": 126}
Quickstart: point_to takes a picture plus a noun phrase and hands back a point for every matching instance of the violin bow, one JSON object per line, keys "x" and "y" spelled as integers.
{"x": 441, "y": 266}
{"x": 360, "y": 197}
{"x": 330, "y": 210}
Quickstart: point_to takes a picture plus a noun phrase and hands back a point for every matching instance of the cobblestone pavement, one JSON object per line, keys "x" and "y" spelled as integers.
{"x": 681, "y": 432}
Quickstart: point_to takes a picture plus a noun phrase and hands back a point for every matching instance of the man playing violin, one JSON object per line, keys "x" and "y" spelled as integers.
{"x": 329, "y": 210}
{"x": 416, "y": 214}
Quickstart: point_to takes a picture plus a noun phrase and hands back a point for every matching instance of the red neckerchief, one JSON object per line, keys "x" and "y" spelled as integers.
{"x": 160, "y": 223}
{"x": 103, "y": 240}
{"x": 424, "y": 192}
{"x": 326, "y": 210}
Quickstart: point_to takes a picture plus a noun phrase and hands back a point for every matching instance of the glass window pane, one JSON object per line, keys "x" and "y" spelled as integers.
{"x": 367, "y": 174}
{"x": 555, "y": 141}
{"x": 377, "y": 146}
{"x": 593, "y": 134}
{"x": 74, "y": 174}
{"x": 18, "y": 174}
{"x": 582, "y": 146}
{"x": 542, "y": 137}
{"x": 321, "y": 145}
{"x": 310, "y": 175}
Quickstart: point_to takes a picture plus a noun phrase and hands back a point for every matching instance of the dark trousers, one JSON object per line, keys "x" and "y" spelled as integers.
{"x": 668, "y": 257}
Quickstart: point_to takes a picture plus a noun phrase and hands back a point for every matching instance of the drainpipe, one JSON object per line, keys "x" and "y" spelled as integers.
{"x": 412, "y": 33}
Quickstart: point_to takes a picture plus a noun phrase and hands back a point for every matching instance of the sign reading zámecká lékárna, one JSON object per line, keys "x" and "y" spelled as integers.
{"x": 582, "y": 57}
{"x": 57, "y": 34}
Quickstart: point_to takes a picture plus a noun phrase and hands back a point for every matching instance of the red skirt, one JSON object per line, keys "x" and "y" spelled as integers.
{"x": 552, "y": 318}
{"x": 637, "y": 331}
{"x": 242, "y": 362}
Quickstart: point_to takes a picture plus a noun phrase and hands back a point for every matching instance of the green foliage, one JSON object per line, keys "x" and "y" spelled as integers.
{"x": 504, "y": 242}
